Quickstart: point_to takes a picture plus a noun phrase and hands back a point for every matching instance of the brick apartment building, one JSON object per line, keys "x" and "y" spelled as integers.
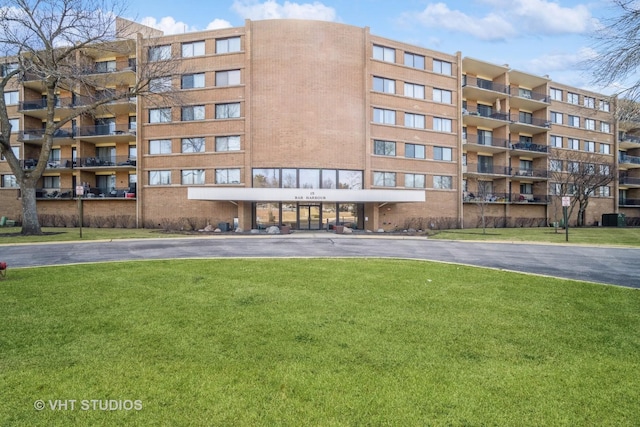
{"x": 309, "y": 124}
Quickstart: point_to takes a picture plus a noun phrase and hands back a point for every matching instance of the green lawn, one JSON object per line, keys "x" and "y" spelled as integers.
{"x": 63, "y": 234}
{"x": 316, "y": 342}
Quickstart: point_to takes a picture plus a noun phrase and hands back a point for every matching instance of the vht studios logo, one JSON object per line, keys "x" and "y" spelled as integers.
{"x": 88, "y": 405}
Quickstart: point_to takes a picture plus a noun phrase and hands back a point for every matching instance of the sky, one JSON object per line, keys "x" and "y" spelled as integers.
{"x": 543, "y": 37}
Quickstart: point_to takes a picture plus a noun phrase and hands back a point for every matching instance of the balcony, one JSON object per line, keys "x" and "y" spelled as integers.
{"x": 628, "y": 141}
{"x": 106, "y": 133}
{"x": 488, "y": 198}
{"x": 484, "y": 117}
{"x": 96, "y": 162}
{"x": 629, "y": 202}
{"x": 530, "y": 173}
{"x": 530, "y": 149}
{"x": 629, "y": 182}
{"x": 55, "y": 193}
{"x": 477, "y": 169}
{"x": 62, "y": 136}
{"x": 526, "y": 99}
{"x": 483, "y": 90}
{"x": 98, "y": 74}
{"x": 64, "y": 108}
{"x": 90, "y": 193}
{"x": 630, "y": 162}
{"x": 520, "y": 198}
{"x": 515, "y": 198}
{"x": 491, "y": 145}
{"x": 526, "y": 124}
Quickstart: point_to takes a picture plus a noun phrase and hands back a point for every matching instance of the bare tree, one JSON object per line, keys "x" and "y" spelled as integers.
{"x": 579, "y": 175}
{"x": 53, "y": 42}
{"x": 618, "y": 49}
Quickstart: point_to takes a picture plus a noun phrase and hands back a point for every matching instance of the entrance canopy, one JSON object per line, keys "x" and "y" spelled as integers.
{"x": 304, "y": 194}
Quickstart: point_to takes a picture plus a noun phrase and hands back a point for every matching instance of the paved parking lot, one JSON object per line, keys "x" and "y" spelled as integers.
{"x": 609, "y": 265}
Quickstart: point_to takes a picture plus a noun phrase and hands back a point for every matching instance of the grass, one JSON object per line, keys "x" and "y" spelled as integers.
{"x": 624, "y": 236}
{"x": 63, "y": 234}
{"x": 316, "y": 342}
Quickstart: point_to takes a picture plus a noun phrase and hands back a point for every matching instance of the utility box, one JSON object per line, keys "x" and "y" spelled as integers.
{"x": 613, "y": 220}
{"x": 224, "y": 226}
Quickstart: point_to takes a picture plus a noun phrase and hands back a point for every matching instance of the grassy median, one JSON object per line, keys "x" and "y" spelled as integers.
{"x": 314, "y": 342}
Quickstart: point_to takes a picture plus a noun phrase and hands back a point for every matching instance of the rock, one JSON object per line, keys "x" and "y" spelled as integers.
{"x": 273, "y": 230}
{"x": 380, "y": 230}
{"x": 239, "y": 230}
{"x": 255, "y": 231}
{"x": 347, "y": 230}
{"x": 217, "y": 230}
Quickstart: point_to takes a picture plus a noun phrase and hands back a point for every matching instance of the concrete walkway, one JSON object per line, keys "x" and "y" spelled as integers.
{"x": 607, "y": 265}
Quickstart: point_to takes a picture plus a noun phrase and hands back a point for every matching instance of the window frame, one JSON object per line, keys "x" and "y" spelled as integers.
{"x": 162, "y": 114}
{"x": 410, "y": 60}
{"x": 225, "y": 78}
{"x": 444, "y": 154}
{"x": 192, "y": 113}
{"x": 442, "y": 67}
{"x": 384, "y": 148}
{"x": 225, "y": 42}
{"x": 229, "y": 110}
{"x": 224, "y": 139}
{"x": 384, "y": 53}
{"x": 414, "y": 180}
{"x": 415, "y": 150}
{"x": 159, "y": 146}
{"x": 159, "y": 177}
{"x": 192, "y": 81}
{"x": 227, "y": 173}
{"x": 443, "y": 182}
{"x": 159, "y": 53}
{"x": 194, "y": 52}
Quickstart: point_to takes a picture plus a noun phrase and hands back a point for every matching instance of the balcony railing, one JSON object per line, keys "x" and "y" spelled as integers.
{"x": 536, "y": 96}
{"x": 533, "y": 121}
{"x": 628, "y": 138}
{"x": 493, "y": 142}
{"x": 96, "y": 161}
{"x": 35, "y": 134}
{"x": 529, "y": 146}
{"x": 530, "y": 198}
{"x": 629, "y": 202}
{"x": 488, "y": 170}
{"x": 42, "y": 104}
{"x": 55, "y": 193}
{"x": 484, "y": 84}
{"x": 506, "y": 198}
{"x": 100, "y": 69}
{"x": 90, "y": 193}
{"x": 105, "y": 130}
{"x": 534, "y": 173}
{"x": 629, "y": 159}
{"x": 485, "y": 113}
{"x": 629, "y": 181}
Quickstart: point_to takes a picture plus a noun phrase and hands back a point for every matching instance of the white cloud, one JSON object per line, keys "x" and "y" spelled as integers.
{"x": 552, "y": 62}
{"x": 509, "y": 18}
{"x": 217, "y": 24}
{"x": 167, "y": 24}
{"x": 271, "y": 9}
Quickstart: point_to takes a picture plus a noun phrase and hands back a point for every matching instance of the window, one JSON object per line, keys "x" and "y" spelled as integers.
{"x": 441, "y": 125}
{"x": 574, "y": 144}
{"x": 159, "y": 177}
{"x": 414, "y": 151}
{"x": 555, "y": 94}
{"x": 228, "y": 78}
{"x": 589, "y": 102}
{"x": 54, "y": 158}
{"x": 309, "y": 178}
{"x": 413, "y": 90}
{"x": 192, "y": 49}
{"x": 441, "y": 67}
{"x": 442, "y": 182}
{"x": 193, "y": 145}
{"x": 556, "y": 141}
{"x": 227, "y": 143}
{"x": 605, "y": 191}
{"x": 15, "y": 125}
{"x": 192, "y": 112}
{"x": 555, "y": 165}
{"x": 525, "y": 117}
{"x": 589, "y": 124}
{"x": 159, "y": 53}
{"x": 413, "y": 60}
{"x": 384, "y": 148}
{"x": 604, "y": 170}
{"x": 192, "y": 176}
{"x": 381, "y": 84}
{"x": 160, "y": 146}
{"x": 574, "y": 121}
{"x": 573, "y": 167}
{"x": 605, "y": 148}
{"x": 590, "y": 168}
{"x": 382, "y": 53}
{"x": 555, "y": 188}
{"x": 266, "y": 178}
{"x": 573, "y": 98}
{"x": 556, "y": 118}
{"x": 192, "y": 81}
{"x": 9, "y": 181}
{"x": 526, "y": 188}
{"x": 485, "y": 137}
{"x": 227, "y": 176}
{"x": 105, "y": 66}
{"x": 161, "y": 84}
{"x": 228, "y": 45}
{"x": 414, "y": 120}
{"x": 485, "y": 164}
{"x": 159, "y": 115}
{"x": 16, "y": 152}
{"x": 441, "y": 95}
{"x": 328, "y": 178}
{"x": 51, "y": 182}
{"x": 590, "y": 146}
{"x": 605, "y": 127}
{"x": 387, "y": 117}
{"x": 11, "y": 98}
{"x": 7, "y": 69}
{"x": 524, "y": 93}
{"x": 442, "y": 153}
{"x": 350, "y": 179}
{"x": 228, "y": 111}
{"x": 413, "y": 180}
{"x": 384, "y": 179}
{"x": 604, "y": 105}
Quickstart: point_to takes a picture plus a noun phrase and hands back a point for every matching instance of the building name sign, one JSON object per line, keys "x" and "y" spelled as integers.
{"x": 310, "y": 196}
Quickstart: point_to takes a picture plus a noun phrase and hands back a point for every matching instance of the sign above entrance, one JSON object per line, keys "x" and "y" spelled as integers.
{"x": 304, "y": 195}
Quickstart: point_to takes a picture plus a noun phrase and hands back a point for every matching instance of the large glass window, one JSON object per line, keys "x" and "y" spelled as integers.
{"x": 9, "y": 181}
{"x": 228, "y": 143}
{"x": 605, "y": 127}
{"x": 159, "y": 115}
{"x": 381, "y": 84}
{"x": 193, "y": 176}
{"x": 413, "y": 60}
{"x": 350, "y": 179}
{"x": 15, "y": 125}
{"x": 193, "y": 112}
{"x": 555, "y": 94}
{"x": 105, "y": 66}
{"x": 556, "y": 141}
{"x": 328, "y": 179}
{"x": 160, "y": 84}
{"x": 384, "y": 179}
{"x": 382, "y": 116}
{"x": 192, "y": 49}
{"x": 412, "y": 180}
{"x": 441, "y": 95}
{"x": 228, "y": 78}
{"x": 414, "y": 120}
{"x": 51, "y": 181}
{"x": 574, "y": 144}
{"x": 228, "y": 111}
{"x": 160, "y": 146}
{"x": 442, "y": 125}
{"x": 309, "y": 178}
{"x": 228, "y": 45}
{"x": 12, "y": 97}
{"x": 573, "y": 98}
{"x": 266, "y": 178}
{"x": 604, "y": 105}
{"x": 159, "y": 53}
{"x": 161, "y": 177}
{"x": 414, "y": 90}
{"x": 442, "y": 153}
{"x": 228, "y": 176}
{"x": 289, "y": 178}
{"x": 192, "y": 81}
{"x": 556, "y": 117}
{"x": 442, "y": 182}
{"x": 605, "y": 148}
{"x": 193, "y": 145}
{"x": 382, "y": 53}
{"x": 589, "y": 124}
{"x": 574, "y": 121}
{"x": 442, "y": 67}
{"x": 384, "y": 148}
{"x": 414, "y": 151}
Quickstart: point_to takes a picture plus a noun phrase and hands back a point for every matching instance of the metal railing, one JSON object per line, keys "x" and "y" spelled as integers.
{"x": 484, "y": 84}
{"x": 529, "y": 146}
{"x": 628, "y": 138}
{"x": 488, "y": 170}
{"x": 629, "y": 202}
{"x": 533, "y": 121}
{"x": 99, "y": 161}
{"x": 89, "y": 193}
{"x": 105, "y": 130}
{"x": 630, "y": 181}
{"x": 35, "y": 134}
{"x": 493, "y": 142}
{"x": 629, "y": 159}
{"x": 536, "y": 96}
{"x": 517, "y": 198}
{"x": 533, "y": 173}
{"x": 484, "y": 113}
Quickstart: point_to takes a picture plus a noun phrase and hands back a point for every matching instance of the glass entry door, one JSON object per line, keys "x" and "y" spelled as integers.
{"x": 309, "y": 217}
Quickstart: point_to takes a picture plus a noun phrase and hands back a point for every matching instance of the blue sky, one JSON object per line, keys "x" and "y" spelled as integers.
{"x": 544, "y": 37}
